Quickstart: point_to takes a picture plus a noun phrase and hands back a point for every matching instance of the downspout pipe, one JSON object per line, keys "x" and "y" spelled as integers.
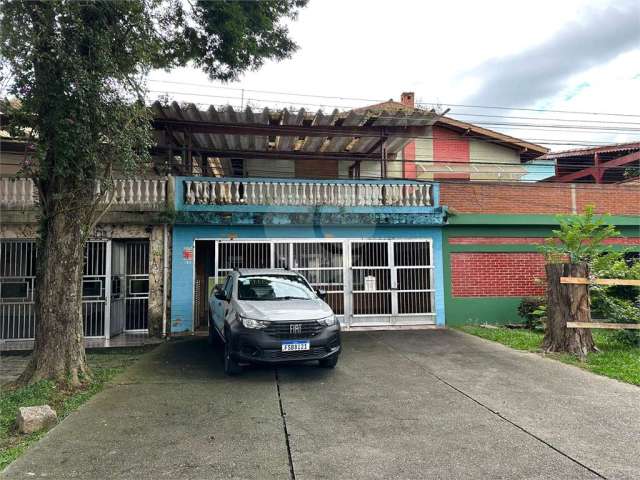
{"x": 164, "y": 280}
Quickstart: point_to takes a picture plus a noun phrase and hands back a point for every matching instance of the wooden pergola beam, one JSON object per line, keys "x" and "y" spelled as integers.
{"x": 237, "y": 128}
{"x": 599, "y": 169}
{"x": 599, "y": 281}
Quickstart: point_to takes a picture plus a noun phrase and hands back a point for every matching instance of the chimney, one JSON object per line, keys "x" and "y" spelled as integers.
{"x": 409, "y": 170}
{"x": 408, "y": 99}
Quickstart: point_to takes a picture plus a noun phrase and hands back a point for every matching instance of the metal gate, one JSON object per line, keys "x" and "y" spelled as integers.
{"x": 118, "y": 288}
{"x": 137, "y": 285}
{"x": 392, "y": 282}
{"x": 95, "y": 288}
{"x": 322, "y": 263}
{"x": 368, "y": 282}
{"x": 115, "y": 287}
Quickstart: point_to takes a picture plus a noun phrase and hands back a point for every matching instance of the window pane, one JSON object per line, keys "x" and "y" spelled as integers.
{"x": 91, "y": 288}
{"x": 13, "y": 290}
{"x": 138, "y": 286}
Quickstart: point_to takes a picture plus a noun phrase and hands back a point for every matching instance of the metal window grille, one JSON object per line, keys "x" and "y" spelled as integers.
{"x": 17, "y": 276}
{"x": 17, "y": 280}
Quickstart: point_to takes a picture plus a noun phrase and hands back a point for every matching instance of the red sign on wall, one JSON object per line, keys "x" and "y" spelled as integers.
{"x": 187, "y": 254}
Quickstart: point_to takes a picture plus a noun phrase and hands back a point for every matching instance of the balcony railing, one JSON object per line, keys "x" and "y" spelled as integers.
{"x": 356, "y": 193}
{"x": 130, "y": 193}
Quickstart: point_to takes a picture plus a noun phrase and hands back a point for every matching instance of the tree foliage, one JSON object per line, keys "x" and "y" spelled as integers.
{"x": 620, "y": 304}
{"x": 78, "y": 69}
{"x": 74, "y": 71}
{"x": 580, "y": 238}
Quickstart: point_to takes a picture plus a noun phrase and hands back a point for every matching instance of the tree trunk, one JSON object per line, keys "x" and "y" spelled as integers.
{"x": 59, "y": 348}
{"x": 567, "y": 303}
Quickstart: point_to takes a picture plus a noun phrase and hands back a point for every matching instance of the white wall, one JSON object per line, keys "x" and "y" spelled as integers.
{"x": 487, "y": 152}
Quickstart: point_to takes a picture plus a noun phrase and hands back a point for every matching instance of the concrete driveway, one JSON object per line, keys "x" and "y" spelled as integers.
{"x": 421, "y": 404}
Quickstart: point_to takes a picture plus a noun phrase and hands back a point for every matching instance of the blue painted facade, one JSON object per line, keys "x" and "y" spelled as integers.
{"x": 211, "y": 222}
{"x": 539, "y": 170}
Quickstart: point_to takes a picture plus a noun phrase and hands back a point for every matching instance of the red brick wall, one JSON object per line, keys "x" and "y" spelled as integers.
{"x": 529, "y": 241}
{"x": 505, "y": 199}
{"x": 449, "y": 146}
{"x": 620, "y": 200}
{"x": 540, "y": 198}
{"x": 497, "y": 274}
{"x": 409, "y": 169}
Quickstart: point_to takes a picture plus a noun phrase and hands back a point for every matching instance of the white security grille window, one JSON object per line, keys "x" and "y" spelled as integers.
{"x": 17, "y": 276}
{"x": 128, "y": 284}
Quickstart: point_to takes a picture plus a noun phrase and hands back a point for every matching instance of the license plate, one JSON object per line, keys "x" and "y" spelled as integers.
{"x": 295, "y": 345}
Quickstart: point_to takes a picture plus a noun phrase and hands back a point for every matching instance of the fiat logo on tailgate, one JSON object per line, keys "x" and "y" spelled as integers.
{"x": 295, "y": 328}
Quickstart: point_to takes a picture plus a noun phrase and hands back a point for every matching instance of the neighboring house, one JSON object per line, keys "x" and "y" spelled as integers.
{"x": 124, "y": 274}
{"x": 493, "y": 233}
{"x": 456, "y": 150}
{"x": 616, "y": 163}
{"x": 320, "y": 193}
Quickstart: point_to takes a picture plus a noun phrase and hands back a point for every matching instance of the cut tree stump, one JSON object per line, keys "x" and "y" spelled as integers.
{"x": 567, "y": 303}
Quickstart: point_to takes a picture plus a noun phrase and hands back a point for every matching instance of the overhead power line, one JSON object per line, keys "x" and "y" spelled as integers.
{"x": 448, "y": 104}
{"x": 606, "y": 128}
{"x": 510, "y": 140}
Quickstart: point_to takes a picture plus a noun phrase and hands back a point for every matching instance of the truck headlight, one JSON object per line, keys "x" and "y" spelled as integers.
{"x": 254, "y": 324}
{"x": 328, "y": 321}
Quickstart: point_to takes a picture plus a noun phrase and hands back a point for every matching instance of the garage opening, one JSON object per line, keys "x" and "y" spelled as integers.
{"x": 368, "y": 282}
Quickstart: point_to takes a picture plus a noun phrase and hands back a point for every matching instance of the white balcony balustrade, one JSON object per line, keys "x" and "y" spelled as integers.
{"x": 17, "y": 192}
{"x": 312, "y": 193}
{"x": 134, "y": 193}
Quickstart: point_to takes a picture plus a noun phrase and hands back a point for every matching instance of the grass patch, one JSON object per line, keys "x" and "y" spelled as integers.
{"x": 105, "y": 364}
{"x": 519, "y": 339}
{"x": 615, "y": 359}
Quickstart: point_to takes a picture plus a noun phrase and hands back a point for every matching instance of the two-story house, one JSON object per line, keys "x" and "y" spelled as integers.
{"x": 381, "y": 207}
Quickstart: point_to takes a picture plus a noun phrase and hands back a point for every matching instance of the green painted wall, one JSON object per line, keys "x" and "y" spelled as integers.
{"x": 476, "y": 310}
{"x": 500, "y": 310}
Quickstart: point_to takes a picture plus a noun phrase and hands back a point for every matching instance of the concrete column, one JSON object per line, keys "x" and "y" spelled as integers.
{"x": 156, "y": 288}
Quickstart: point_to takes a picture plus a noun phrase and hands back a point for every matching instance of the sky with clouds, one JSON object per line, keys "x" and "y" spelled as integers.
{"x": 569, "y": 55}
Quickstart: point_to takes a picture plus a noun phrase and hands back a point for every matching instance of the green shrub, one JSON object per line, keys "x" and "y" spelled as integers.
{"x": 617, "y": 304}
{"x": 532, "y": 309}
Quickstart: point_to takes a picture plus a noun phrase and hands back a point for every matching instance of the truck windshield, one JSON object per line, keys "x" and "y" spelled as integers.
{"x": 273, "y": 287}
